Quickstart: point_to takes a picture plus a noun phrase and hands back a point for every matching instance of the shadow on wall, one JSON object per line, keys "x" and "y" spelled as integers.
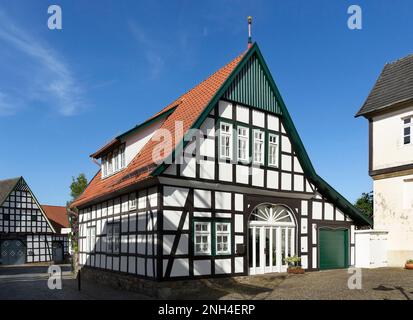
{"x": 127, "y": 245}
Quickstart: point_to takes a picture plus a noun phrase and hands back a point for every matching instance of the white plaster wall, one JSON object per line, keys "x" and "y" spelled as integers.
{"x": 258, "y": 118}
{"x": 208, "y": 127}
{"x": 223, "y": 200}
{"x": 273, "y": 123}
{"x": 388, "y": 148}
{"x": 222, "y": 266}
{"x": 272, "y": 179}
{"x": 202, "y": 267}
{"x": 243, "y": 114}
{"x": 225, "y": 109}
{"x": 391, "y": 215}
{"x": 225, "y": 171}
{"x": 174, "y": 196}
{"x": 202, "y": 198}
{"x": 242, "y": 174}
{"x": 207, "y": 169}
{"x": 136, "y": 141}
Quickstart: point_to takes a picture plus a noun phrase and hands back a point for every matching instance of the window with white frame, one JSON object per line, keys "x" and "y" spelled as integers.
{"x": 113, "y": 162}
{"x": 258, "y": 154}
{"x": 91, "y": 238}
{"x": 132, "y": 201}
{"x": 113, "y": 237}
{"x": 202, "y": 235}
{"x": 226, "y": 140}
{"x": 122, "y": 157}
{"x": 223, "y": 238}
{"x": 104, "y": 167}
{"x": 407, "y": 130}
{"x": 110, "y": 164}
{"x": 243, "y": 143}
{"x": 272, "y": 150}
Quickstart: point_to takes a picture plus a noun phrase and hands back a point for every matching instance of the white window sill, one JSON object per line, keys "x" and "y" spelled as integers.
{"x": 112, "y": 174}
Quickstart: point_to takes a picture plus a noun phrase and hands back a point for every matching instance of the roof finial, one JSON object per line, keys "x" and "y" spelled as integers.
{"x": 249, "y": 32}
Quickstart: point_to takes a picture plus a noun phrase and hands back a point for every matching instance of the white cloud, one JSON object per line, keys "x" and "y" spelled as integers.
{"x": 54, "y": 81}
{"x": 152, "y": 49}
{"x": 7, "y": 106}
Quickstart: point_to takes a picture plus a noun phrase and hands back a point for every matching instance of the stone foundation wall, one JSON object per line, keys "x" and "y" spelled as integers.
{"x": 158, "y": 290}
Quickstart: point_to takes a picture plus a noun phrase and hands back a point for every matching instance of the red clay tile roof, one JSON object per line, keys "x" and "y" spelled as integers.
{"x": 57, "y": 216}
{"x": 106, "y": 147}
{"x": 188, "y": 108}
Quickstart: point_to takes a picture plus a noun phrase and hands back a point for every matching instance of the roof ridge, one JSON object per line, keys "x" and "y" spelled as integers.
{"x": 180, "y": 99}
{"x": 10, "y": 179}
{"x": 391, "y": 89}
{"x": 212, "y": 74}
{"x": 400, "y": 59}
{"x": 52, "y": 205}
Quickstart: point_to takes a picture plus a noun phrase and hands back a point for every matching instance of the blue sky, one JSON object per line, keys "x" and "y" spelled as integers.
{"x": 65, "y": 93}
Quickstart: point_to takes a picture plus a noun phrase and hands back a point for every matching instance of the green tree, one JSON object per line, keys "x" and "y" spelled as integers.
{"x": 78, "y": 185}
{"x": 365, "y": 203}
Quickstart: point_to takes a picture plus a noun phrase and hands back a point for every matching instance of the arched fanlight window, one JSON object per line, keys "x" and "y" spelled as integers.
{"x": 272, "y": 214}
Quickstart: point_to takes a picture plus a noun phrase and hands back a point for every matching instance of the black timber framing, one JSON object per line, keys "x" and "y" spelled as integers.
{"x": 187, "y": 208}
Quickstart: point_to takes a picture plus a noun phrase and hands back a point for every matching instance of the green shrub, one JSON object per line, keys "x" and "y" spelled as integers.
{"x": 293, "y": 261}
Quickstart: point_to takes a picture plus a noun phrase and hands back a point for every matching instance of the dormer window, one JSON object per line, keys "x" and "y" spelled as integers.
{"x": 407, "y": 130}
{"x": 104, "y": 167}
{"x": 122, "y": 157}
{"x": 110, "y": 164}
{"x": 113, "y": 162}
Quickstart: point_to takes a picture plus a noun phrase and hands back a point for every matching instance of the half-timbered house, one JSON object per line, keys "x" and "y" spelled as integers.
{"x": 236, "y": 201}
{"x": 30, "y": 232}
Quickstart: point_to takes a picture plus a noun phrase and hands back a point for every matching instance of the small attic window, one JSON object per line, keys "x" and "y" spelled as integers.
{"x": 407, "y": 130}
{"x": 113, "y": 162}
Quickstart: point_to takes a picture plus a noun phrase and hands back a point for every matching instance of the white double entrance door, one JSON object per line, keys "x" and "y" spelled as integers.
{"x": 269, "y": 245}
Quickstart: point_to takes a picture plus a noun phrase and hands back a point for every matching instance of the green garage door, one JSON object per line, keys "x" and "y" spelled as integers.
{"x": 333, "y": 248}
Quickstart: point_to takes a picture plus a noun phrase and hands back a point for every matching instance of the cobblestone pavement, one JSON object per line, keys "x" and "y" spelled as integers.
{"x": 376, "y": 284}
{"x": 30, "y": 282}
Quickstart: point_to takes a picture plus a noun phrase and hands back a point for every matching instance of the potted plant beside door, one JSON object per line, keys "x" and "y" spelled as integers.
{"x": 409, "y": 264}
{"x": 294, "y": 265}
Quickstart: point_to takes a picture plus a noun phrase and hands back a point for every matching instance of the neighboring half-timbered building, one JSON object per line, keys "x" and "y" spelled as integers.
{"x": 30, "y": 232}
{"x": 235, "y": 200}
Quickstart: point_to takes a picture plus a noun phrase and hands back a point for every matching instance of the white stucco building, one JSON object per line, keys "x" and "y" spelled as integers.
{"x": 389, "y": 110}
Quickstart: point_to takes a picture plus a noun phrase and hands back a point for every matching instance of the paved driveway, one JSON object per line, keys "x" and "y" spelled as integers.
{"x": 376, "y": 284}
{"x": 30, "y": 282}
